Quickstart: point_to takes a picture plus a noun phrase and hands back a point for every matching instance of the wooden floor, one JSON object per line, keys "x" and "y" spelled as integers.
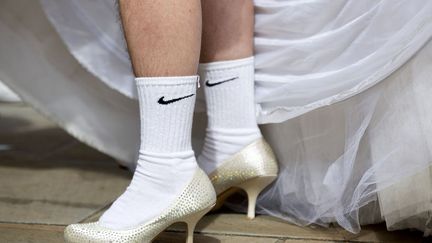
{"x": 48, "y": 180}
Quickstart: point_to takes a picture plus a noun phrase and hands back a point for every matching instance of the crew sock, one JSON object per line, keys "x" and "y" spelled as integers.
{"x": 166, "y": 161}
{"x": 232, "y": 125}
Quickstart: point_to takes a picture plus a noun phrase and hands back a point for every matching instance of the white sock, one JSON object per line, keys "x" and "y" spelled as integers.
{"x": 229, "y": 93}
{"x": 166, "y": 161}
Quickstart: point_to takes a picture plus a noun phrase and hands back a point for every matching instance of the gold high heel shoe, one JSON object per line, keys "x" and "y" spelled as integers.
{"x": 252, "y": 169}
{"x": 193, "y": 203}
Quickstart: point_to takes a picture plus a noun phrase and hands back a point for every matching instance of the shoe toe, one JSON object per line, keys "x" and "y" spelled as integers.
{"x": 81, "y": 233}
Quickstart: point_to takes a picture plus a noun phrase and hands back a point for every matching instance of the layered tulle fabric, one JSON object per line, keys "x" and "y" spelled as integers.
{"x": 374, "y": 148}
{"x": 343, "y": 88}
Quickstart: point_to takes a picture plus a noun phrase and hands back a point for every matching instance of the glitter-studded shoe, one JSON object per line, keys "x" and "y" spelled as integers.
{"x": 252, "y": 169}
{"x": 193, "y": 203}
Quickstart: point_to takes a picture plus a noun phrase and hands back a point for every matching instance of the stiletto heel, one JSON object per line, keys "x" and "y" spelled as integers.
{"x": 192, "y": 221}
{"x": 253, "y": 188}
{"x": 251, "y": 169}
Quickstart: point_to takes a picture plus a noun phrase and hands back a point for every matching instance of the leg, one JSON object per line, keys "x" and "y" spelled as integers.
{"x": 228, "y": 70}
{"x": 163, "y": 38}
{"x": 228, "y": 28}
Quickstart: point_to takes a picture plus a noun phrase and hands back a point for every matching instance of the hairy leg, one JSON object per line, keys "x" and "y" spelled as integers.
{"x": 228, "y": 28}
{"x": 163, "y": 37}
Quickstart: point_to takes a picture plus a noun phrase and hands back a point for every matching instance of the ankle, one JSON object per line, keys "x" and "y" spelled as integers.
{"x": 221, "y": 144}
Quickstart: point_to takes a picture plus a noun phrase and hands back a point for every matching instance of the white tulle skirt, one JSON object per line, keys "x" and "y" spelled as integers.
{"x": 343, "y": 93}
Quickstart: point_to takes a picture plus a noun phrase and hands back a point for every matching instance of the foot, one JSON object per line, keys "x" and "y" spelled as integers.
{"x": 158, "y": 180}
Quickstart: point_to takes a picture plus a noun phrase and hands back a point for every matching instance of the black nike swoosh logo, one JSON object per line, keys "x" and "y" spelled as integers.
{"x": 166, "y": 102}
{"x": 221, "y": 82}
